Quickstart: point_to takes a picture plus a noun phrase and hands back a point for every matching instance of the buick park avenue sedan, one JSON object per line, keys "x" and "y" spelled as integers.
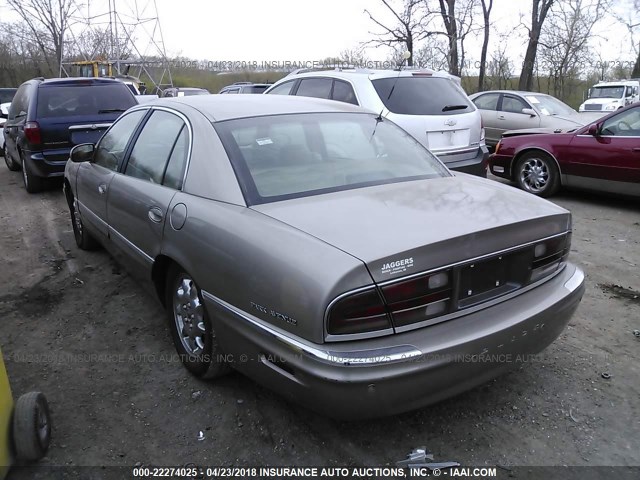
{"x": 321, "y": 250}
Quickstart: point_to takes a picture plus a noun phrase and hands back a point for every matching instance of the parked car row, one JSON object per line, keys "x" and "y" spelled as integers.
{"x": 431, "y": 106}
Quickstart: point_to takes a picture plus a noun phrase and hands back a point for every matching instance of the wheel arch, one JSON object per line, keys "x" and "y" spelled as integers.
{"x": 526, "y": 150}
{"x": 159, "y": 271}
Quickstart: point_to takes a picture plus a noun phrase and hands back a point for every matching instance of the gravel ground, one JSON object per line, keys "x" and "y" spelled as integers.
{"x": 76, "y": 327}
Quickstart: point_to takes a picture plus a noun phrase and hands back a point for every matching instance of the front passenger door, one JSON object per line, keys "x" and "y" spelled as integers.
{"x": 94, "y": 178}
{"x": 139, "y": 197}
{"x": 510, "y": 116}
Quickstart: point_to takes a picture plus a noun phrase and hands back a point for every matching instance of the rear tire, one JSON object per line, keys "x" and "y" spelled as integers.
{"x": 191, "y": 328}
{"x": 11, "y": 165}
{"x": 536, "y": 173}
{"x": 84, "y": 240}
{"x": 32, "y": 183}
{"x": 31, "y": 427}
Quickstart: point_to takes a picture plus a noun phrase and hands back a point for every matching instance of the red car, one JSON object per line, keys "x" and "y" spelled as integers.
{"x": 603, "y": 156}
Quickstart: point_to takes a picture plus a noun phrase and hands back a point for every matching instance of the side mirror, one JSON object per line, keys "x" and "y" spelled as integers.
{"x": 529, "y": 111}
{"x": 594, "y": 130}
{"x": 82, "y": 153}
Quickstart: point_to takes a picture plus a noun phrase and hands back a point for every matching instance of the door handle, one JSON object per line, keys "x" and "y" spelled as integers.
{"x": 102, "y": 188}
{"x": 155, "y": 215}
{"x": 636, "y": 150}
{"x": 501, "y": 117}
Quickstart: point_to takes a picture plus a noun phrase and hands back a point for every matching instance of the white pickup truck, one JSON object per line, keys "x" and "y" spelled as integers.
{"x": 610, "y": 96}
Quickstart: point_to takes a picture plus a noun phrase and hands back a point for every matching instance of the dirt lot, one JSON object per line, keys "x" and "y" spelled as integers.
{"x": 132, "y": 403}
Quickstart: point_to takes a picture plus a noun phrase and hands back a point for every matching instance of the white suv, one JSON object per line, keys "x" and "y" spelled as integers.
{"x": 429, "y": 105}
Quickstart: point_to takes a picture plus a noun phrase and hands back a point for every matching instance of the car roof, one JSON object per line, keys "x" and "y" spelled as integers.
{"x": 219, "y": 108}
{"x": 77, "y": 80}
{"x": 517, "y": 92}
{"x": 367, "y": 72}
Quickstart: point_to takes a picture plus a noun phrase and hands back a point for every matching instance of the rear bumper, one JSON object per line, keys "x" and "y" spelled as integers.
{"x": 474, "y": 166}
{"x": 44, "y": 165}
{"x": 354, "y": 380}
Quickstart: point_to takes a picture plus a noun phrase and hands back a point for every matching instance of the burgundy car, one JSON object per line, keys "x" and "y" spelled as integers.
{"x": 603, "y": 156}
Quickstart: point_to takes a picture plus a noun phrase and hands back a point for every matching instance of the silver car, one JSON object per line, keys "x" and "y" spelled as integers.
{"x": 505, "y": 110}
{"x": 429, "y": 105}
{"x": 321, "y": 250}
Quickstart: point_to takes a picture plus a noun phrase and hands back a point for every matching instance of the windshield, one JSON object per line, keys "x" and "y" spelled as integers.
{"x": 551, "y": 106}
{"x": 92, "y": 99}
{"x": 422, "y": 96}
{"x": 607, "y": 92}
{"x": 289, "y": 156}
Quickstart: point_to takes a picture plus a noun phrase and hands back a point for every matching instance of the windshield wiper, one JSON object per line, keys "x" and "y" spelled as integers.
{"x": 110, "y": 110}
{"x": 448, "y": 108}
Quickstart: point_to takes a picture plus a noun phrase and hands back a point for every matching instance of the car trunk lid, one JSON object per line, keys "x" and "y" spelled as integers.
{"x": 409, "y": 227}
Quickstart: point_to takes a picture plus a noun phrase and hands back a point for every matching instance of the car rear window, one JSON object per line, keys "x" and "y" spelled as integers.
{"x": 256, "y": 88}
{"x": 75, "y": 100}
{"x": 288, "y": 156}
{"x": 422, "y": 96}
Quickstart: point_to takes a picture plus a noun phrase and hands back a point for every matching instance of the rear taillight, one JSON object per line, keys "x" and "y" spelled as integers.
{"x": 549, "y": 255}
{"x": 32, "y": 133}
{"x": 419, "y": 298}
{"x": 358, "y": 313}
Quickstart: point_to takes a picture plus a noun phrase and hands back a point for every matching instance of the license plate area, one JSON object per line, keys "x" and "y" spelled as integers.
{"x": 486, "y": 279}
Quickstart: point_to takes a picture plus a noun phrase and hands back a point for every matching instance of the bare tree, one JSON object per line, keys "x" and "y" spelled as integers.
{"x": 405, "y": 31}
{"x": 628, "y": 13}
{"x": 539, "y": 11}
{"x": 448, "y": 13}
{"x": 48, "y": 21}
{"x": 500, "y": 68}
{"x": 433, "y": 54}
{"x": 487, "y": 6}
{"x": 564, "y": 40}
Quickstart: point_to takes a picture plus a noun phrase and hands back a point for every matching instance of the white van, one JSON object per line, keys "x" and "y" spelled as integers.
{"x": 611, "y": 96}
{"x": 431, "y": 106}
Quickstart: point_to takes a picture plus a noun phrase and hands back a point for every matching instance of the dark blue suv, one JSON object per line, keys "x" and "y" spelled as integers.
{"x": 48, "y": 117}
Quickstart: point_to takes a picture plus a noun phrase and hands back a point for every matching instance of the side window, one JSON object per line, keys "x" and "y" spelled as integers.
{"x": 111, "y": 148}
{"x": 153, "y": 147}
{"x": 625, "y": 124}
{"x": 284, "y": 89}
{"x": 513, "y": 104}
{"x": 343, "y": 92}
{"x": 488, "y": 101}
{"x": 19, "y": 103}
{"x": 315, "y": 87}
{"x": 177, "y": 161}
{"x": 233, "y": 90}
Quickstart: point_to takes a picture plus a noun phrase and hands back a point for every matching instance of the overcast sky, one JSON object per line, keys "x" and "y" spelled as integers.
{"x": 294, "y": 30}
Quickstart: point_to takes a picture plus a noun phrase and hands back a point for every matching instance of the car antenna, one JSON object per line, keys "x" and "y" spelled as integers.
{"x": 406, "y": 56}
{"x": 379, "y": 118}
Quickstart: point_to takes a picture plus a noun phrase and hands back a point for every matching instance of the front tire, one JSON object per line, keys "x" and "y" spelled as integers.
{"x": 32, "y": 183}
{"x": 191, "y": 328}
{"x": 536, "y": 173}
{"x": 31, "y": 427}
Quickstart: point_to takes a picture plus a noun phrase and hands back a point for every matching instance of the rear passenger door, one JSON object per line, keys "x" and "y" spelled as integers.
{"x": 140, "y": 194}
{"x": 487, "y": 104}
